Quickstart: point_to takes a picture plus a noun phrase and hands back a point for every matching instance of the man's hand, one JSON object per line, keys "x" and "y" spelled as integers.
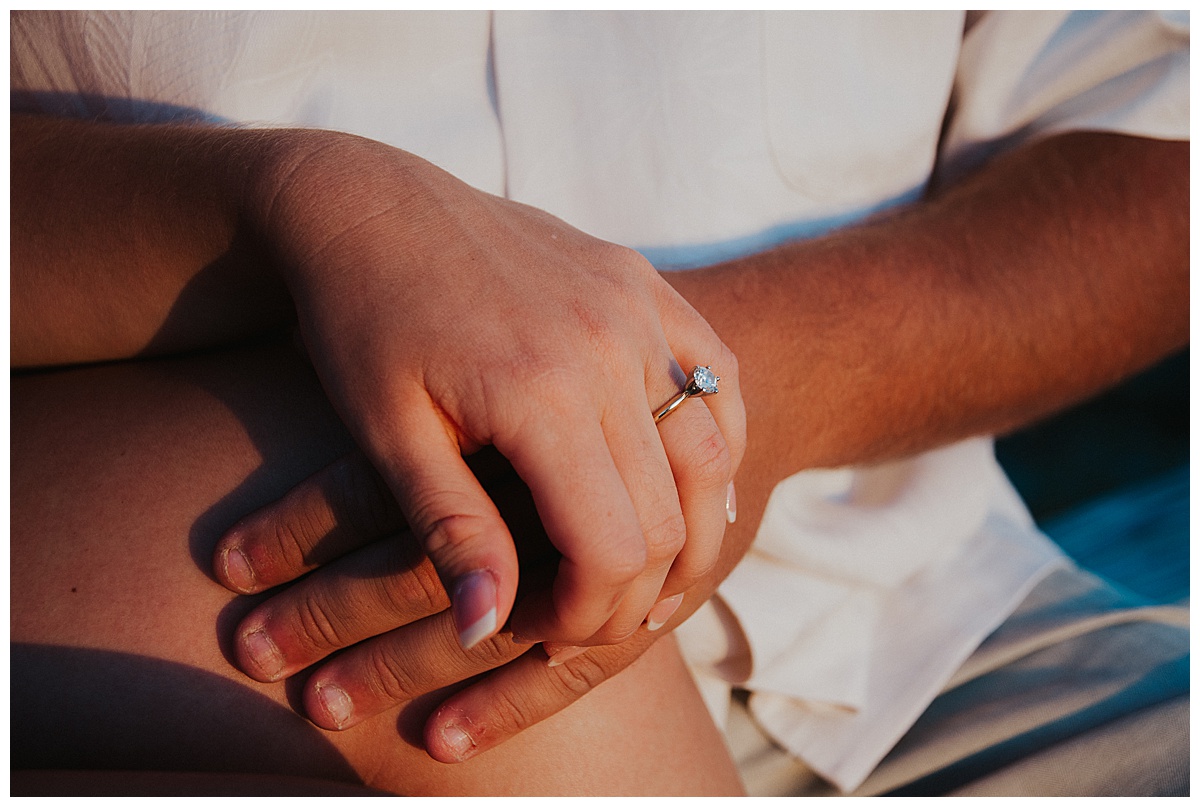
{"x": 374, "y": 595}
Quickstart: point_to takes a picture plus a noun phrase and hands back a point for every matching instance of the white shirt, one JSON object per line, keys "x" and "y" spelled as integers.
{"x": 696, "y": 137}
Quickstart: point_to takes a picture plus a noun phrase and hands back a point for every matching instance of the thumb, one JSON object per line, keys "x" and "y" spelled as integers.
{"x": 456, "y": 522}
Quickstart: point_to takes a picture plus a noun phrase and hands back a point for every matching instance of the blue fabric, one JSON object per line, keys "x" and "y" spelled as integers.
{"x": 1109, "y": 481}
{"x": 691, "y": 256}
{"x": 1137, "y": 538}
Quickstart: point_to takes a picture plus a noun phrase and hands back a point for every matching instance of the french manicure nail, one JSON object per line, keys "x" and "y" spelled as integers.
{"x": 662, "y": 611}
{"x": 474, "y": 604}
{"x": 238, "y": 570}
{"x": 459, "y": 740}
{"x": 565, "y": 654}
{"x": 336, "y": 702}
{"x": 730, "y": 504}
{"x": 263, "y": 652}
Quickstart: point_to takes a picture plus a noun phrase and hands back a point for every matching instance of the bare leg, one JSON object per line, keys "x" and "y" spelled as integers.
{"x": 123, "y": 476}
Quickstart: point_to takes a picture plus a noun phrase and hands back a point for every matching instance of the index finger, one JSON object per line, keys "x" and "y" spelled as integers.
{"x": 454, "y": 519}
{"x": 338, "y": 509}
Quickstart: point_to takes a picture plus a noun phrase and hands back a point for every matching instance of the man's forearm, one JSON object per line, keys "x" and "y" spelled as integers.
{"x": 1050, "y": 274}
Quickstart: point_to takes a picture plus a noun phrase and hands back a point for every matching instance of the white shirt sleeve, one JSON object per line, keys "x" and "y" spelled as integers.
{"x": 1023, "y": 75}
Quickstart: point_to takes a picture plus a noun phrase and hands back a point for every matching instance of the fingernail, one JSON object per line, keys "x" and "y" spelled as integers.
{"x": 474, "y": 604}
{"x": 730, "y": 504}
{"x": 459, "y": 741}
{"x": 263, "y": 652}
{"x": 336, "y": 702}
{"x": 238, "y": 571}
{"x": 662, "y": 611}
{"x": 565, "y": 654}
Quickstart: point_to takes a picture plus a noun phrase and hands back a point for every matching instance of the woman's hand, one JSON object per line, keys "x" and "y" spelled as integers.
{"x": 442, "y": 319}
{"x": 374, "y": 596}
{"x": 439, "y": 318}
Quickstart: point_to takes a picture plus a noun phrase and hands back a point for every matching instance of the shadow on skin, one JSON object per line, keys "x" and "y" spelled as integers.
{"x": 271, "y": 422}
{"x": 93, "y": 715}
{"x": 84, "y": 709}
{"x": 87, "y": 709}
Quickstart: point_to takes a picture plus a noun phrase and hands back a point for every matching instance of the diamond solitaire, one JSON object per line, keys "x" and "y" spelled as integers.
{"x": 704, "y": 382}
{"x": 705, "y": 379}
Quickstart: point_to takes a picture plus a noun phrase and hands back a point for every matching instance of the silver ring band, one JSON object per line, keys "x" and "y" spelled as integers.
{"x": 703, "y": 382}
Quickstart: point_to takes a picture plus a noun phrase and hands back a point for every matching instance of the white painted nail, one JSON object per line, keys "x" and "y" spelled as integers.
{"x": 565, "y": 654}
{"x": 663, "y": 611}
{"x": 474, "y": 607}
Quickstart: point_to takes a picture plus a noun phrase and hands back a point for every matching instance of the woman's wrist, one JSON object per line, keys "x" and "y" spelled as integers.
{"x": 131, "y": 240}
{"x": 307, "y": 190}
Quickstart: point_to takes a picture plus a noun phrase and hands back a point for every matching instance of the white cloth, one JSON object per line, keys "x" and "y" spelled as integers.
{"x": 696, "y": 137}
{"x": 417, "y": 80}
{"x": 864, "y": 592}
{"x": 1027, "y": 75}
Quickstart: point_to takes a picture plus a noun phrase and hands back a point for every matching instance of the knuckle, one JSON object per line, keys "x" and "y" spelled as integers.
{"x": 579, "y": 676}
{"x": 316, "y": 625}
{"x": 362, "y": 499}
{"x": 627, "y": 259}
{"x": 709, "y": 464}
{"x": 446, "y": 523}
{"x": 576, "y": 620}
{"x": 696, "y": 564}
{"x": 621, "y": 561}
{"x": 555, "y": 384}
{"x": 388, "y": 678}
{"x": 492, "y": 652}
{"x": 512, "y": 711}
{"x": 292, "y": 532}
{"x": 614, "y": 559}
{"x": 689, "y": 570}
{"x": 617, "y": 630}
{"x": 415, "y": 589}
{"x": 666, "y": 539}
{"x": 599, "y": 327}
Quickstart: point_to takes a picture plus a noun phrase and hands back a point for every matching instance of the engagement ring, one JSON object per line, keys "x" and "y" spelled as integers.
{"x": 704, "y": 382}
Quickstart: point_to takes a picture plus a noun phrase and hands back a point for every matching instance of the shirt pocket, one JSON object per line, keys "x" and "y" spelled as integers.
{"x": 854, "y": 102}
